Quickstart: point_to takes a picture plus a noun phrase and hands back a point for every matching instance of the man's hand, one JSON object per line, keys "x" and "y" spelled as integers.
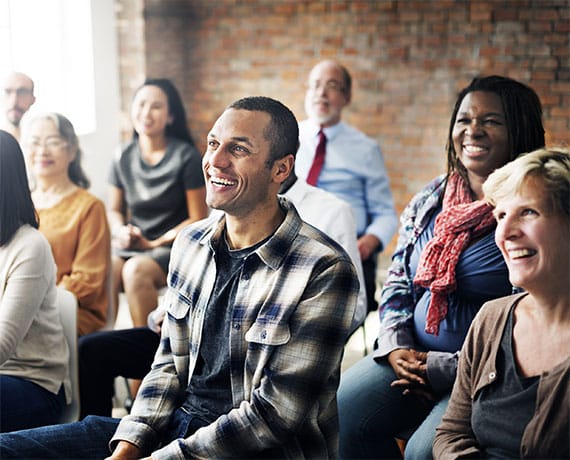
{"x": 125, "y": 451}
{"x": 367, "y": 244}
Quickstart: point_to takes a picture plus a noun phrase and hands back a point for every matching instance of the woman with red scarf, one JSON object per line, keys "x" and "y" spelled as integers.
{"x": 446, "y": 265}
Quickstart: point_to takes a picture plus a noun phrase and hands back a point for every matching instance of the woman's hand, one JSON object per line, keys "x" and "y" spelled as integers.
{"x": 410, "y": 366}
{"x": 127, "y": 236}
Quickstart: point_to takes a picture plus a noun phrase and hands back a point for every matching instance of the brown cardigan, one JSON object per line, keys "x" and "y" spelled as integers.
{"x": 547, "y": 433}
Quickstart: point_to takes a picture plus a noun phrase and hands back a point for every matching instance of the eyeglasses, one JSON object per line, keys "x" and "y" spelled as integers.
{"x": 50, "y": 144}
{"x": 331, "y": 85}
{"x": 19, "y": 92}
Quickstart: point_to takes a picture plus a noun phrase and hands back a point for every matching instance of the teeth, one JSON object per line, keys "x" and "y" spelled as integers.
{"x": 222, "y": 181}
{"x": 519, "y": 253}
{"x": 474, "y": 148}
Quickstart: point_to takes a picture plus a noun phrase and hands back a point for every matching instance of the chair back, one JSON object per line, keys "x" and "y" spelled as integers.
{"x": 67, "y": 304}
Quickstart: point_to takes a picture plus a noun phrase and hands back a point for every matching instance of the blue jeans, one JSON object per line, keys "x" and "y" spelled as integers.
{"x": 24, "y": 404}
{"x": 372, "y": 414}
{"x": 88, "y": 438}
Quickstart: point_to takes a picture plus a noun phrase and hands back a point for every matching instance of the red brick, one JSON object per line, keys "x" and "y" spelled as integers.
{"x": 408, "y": 59}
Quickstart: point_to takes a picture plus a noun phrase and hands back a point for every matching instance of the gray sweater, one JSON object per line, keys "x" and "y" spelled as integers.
{"x": 32, "y": 344}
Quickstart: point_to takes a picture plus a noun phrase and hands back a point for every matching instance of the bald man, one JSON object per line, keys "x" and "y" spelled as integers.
{"x": 353, "y": 167}
{"x": 16, "y": 99}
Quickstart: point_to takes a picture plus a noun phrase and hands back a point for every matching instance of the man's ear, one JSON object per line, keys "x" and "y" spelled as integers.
{"x": 283, "y": 168}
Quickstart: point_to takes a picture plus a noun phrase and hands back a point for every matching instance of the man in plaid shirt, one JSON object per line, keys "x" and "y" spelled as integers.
{"x": 259, "y": 304}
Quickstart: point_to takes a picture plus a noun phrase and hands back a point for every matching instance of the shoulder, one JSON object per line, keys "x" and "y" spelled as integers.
{"x": 350, "y": 133}
{"x": 83, "y": 202}
{"x": 30, "y": 240}
{"x": 496, "y": 311}
{"x": 183, "y": 148}
{"x": 198, "y": 230}
{"x": 305, "y": 240}
{"x": 434, "y": 188}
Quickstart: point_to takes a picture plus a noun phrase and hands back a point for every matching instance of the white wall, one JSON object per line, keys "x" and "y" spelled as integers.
{"x": 98, "y": 147}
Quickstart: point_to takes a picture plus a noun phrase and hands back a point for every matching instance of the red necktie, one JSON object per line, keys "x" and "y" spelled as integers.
{"x": 319, "y": 159}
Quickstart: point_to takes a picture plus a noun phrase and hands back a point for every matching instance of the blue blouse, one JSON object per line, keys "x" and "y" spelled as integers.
{"x": 481, "y": 275}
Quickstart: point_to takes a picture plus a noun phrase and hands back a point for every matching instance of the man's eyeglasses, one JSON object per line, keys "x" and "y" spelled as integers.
{"x": 331, "y": 85}
{"x": 19, "y": 92}
{"x": 50, "y": 144}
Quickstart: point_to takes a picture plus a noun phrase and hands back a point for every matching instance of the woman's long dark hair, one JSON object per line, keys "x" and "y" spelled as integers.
{"x": 523, "y": 117}
{"x": 178, "y": 128}
{"x": 16, "y": 206}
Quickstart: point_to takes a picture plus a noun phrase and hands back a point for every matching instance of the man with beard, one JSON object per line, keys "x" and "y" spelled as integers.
{"x": 17, "y": 98}
{"x": 344, "y": 161}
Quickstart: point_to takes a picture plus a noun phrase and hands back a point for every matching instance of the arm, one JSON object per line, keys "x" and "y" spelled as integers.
{"x": 90, "y": 265}
{"x": 122, "y": 234}
{"x": 25, "y": 287}
{"x": 454, "y": 436}
{"x": 380, "y": 204}
{"x": 290, "y": 374}
{"x": 294, "y": 375}
{"x": 397, "y": 301}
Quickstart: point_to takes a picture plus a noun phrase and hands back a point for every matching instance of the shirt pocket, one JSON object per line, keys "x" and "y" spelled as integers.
{"x": 177, "y": 308}
{"x": 268, "y": 334}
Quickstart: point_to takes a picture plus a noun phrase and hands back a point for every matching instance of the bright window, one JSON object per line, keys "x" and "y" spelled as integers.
{"x": 51, "y": 41}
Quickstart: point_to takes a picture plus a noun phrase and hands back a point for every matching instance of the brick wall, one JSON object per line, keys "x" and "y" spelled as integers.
{"x": 408, "y": 59}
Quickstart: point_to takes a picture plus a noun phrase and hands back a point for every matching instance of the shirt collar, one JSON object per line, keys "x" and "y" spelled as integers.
{"x": 276, "y": 248}
{"x": 330, "y": 131}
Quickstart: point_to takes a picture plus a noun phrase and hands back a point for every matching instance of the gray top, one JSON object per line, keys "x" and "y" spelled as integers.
{"x": 32, "y": 344}
{"x": 155, "y": 195}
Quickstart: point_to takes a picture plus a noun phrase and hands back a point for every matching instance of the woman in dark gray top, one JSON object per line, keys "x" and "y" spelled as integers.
{"x": 156, "y": 189}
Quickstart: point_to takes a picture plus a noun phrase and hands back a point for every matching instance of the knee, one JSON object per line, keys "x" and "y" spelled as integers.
{"x": 134, "y": 272}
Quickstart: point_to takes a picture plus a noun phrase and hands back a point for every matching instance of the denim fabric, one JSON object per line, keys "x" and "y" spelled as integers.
{"x": 86, "y": 439}
{"x": 372, "y": 414}
{"x": 23, "y": 404}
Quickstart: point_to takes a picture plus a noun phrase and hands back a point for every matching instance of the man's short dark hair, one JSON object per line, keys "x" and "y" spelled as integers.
{"x": 283, "y": 129}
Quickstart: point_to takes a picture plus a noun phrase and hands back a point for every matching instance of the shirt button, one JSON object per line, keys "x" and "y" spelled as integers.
{"x": 264, "y": 335}
{"x": 492, "y": 376}
{"x": 237, "y": 326}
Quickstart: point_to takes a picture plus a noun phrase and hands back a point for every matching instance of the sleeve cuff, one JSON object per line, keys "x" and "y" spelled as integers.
{"x": 441, "y": 370}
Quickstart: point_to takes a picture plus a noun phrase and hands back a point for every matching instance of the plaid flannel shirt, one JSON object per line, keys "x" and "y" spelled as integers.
{"x": 293, "y": 308}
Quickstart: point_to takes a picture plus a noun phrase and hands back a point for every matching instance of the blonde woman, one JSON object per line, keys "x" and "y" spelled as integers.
{"x": 511, "y": 398}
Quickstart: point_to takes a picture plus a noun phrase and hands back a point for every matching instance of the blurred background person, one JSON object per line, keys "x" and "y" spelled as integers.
{"x": 337, "y": 157}
{"x": 73, "y": 220}
{"x": 34, "y": 378}
{"x": 156, "y": 189}
{"x": 17, "y": 98}
{"x": 511, "y": 398}
{"x": 446, "y": 265}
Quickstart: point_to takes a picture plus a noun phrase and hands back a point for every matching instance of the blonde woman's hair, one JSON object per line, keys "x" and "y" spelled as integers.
{"x": 550, "y": 166}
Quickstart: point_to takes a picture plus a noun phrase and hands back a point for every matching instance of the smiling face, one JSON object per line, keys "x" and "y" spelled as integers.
{"x": 534, "y": 241}
{"x": 480, "y": 136}
{"x": 326, "y": 94}
{"x": 48, "y": 153}
{"x": 150, "y": 112}
{"x": 239, "y": 180}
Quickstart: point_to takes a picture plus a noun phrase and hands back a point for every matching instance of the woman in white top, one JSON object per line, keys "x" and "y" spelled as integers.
{"x": 34, "y": 377}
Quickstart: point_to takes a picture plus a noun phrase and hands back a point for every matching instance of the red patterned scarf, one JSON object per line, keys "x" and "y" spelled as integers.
{"x": 460, "y": 221}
